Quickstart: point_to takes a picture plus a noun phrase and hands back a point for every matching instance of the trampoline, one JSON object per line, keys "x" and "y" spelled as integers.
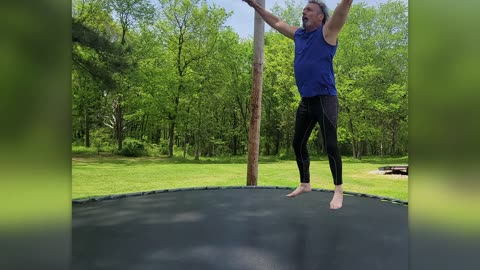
{"x": 239, "y": 228}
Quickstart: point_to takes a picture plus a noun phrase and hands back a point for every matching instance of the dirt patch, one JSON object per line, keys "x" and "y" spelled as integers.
{"x": 391, "y": 176}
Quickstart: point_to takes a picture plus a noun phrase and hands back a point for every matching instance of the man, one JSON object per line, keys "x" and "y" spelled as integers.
{"x": 315, "y": 47}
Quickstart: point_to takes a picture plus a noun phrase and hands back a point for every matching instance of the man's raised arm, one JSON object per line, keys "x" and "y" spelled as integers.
{"x": 272, "y": 20}
{"x": 336, "y": 22}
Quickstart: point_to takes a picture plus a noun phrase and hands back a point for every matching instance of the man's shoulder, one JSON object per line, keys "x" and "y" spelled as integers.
{"x": 299, "y": 31}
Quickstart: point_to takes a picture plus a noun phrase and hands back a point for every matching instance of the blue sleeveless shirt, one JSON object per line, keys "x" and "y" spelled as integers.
{"x": 313, "y": 64}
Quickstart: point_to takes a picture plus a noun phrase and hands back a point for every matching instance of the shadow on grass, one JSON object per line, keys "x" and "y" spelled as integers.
{"x": 108, "y": 158}
{"x": 105, "y": 158}
{"x": 379, "y": 160}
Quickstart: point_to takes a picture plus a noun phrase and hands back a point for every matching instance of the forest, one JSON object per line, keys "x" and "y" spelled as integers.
{"x": 168, "y": 77}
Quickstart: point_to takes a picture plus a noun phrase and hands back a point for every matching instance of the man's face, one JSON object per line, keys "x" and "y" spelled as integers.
{"x": 312, "y": 16}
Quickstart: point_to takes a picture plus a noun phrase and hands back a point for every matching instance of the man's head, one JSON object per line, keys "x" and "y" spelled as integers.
{"x": 314, "y": 15}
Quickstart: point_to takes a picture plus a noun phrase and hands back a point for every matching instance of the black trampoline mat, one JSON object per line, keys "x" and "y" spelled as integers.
{"x": 241, "y": 229}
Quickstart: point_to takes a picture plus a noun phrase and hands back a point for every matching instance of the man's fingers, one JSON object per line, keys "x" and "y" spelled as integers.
{"x": 249, "y": 2}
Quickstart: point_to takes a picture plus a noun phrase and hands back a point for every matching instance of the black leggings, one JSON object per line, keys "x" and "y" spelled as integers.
{"x": 313, "y": 110}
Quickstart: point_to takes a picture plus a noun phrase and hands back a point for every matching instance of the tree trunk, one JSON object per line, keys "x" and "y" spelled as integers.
{"x": 158, "y": 135}
{"x": 118, "y": 114}
{"x": 171, "y": 133}
{"x": 197, "y": 147}
{"x": 394, "y": 141}
{"x": 277, "y": 142}
{"x": 243, "y": 113}
{"x": 235, "y": 143}
{"x": 185, "y": 145}
{"x": 235, "y": 137}
{"x": 354, "y": 142}
{"x": 360, "y": 150}
{"x": 288, "y": 143}
{"x": 267, "y": 146}
{"x": 256, "y": 100}
{"x": 171, "y": 130}
{"x": 87, "y": 128}
{"x": 267, "y": 129}
{"x": 143, "y": 128}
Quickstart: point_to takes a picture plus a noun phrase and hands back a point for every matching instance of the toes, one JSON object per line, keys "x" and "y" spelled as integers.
{"x": 292, "y": 194}
{"x": 298, "y": 191}
{"x": 335, "y": 205}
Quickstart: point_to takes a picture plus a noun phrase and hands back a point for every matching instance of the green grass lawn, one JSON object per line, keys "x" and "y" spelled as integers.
{"x": 104, "y": 175}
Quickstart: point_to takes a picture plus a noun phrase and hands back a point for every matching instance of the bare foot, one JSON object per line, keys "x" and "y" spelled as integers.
{"x": 337, "y": 200}
{"x": 303, "y": 188}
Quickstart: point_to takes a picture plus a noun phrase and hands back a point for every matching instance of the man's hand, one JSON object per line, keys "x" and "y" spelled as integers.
{"x": 250, "y": 2}
{"x": 272, "y": 20}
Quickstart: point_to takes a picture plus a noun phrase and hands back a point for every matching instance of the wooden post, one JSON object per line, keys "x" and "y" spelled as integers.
{"x": 256, "y": 99}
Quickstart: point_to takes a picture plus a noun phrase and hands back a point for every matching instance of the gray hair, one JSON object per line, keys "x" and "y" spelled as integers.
{"x": 323, "y": 8}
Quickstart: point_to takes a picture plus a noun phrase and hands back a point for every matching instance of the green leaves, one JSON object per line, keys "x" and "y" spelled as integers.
{"x": 371, "y": 73}
{"x": 180, "y": 65}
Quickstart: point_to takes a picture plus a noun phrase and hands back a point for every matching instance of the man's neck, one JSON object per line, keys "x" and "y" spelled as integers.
{"x": 313, "y": 28}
